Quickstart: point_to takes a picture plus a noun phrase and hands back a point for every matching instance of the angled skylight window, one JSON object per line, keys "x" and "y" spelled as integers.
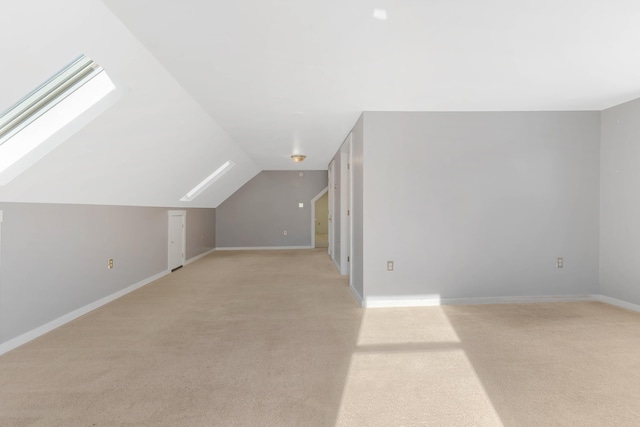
{"x": 208, "y": 181}
{"x": 46, "y": 110}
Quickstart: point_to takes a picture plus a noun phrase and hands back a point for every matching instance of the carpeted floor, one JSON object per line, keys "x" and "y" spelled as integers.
{"x": 274, "y": 338}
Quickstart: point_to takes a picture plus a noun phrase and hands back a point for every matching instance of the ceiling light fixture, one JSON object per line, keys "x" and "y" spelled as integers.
{"x": 298, "y": 158}
{"x": 380, "y": 14}
{"x": 45, "y": 111}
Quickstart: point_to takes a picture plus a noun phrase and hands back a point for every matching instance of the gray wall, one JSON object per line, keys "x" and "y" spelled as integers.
{"x": 481, "y": 204}
{"x": 357, "y": 245}
{"x": 54, "y": 257}
{"x": 620, "y": 203}
{"x": 258, "y": 213}
{"x": 201, "y": 232}
{"x": 357, "y": 248}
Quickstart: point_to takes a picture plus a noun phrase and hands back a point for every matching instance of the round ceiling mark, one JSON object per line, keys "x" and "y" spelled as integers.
{"x": 380, "y": 14}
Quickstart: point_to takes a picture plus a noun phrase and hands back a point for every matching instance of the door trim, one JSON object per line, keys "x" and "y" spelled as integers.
{"x": 1, "y": 217}
{"x": 345, "y": 208}
{"x": 313, "y": 215}
{"x": 183, "y": 214}
{"x": 332, "y": 200}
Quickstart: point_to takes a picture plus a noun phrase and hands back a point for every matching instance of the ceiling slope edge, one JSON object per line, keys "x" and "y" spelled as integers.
{"x": 149, "y": 149}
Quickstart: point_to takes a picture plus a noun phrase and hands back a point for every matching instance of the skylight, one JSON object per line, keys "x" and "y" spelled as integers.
{"x": 45, "y": 111}
{"x": 208, "y": 181}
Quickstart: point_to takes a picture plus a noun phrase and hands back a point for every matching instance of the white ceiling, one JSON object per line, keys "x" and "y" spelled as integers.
{"x": 281, "y": 75}
{"x": 259, "y": 80}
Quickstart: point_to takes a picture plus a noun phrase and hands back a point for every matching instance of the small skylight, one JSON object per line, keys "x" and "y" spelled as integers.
{"x": 208, "y": 181}
{"x": 46, "y": 110}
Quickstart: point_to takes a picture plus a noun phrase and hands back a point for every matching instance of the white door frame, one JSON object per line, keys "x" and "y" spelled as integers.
{"x": 345, "y": 207}
{"x": 1, "y": 218}
{"x": 183, "y": 214}
{"x": 313, "y": 215}
{"x": 332, "y": 195}
{"x": 350, "y": 223}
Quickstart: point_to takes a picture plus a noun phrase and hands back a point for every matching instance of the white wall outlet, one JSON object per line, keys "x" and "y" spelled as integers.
{"x": 560, "y": 262}
{"x": 301, "y": 205}
{"x": 285, "y": 232}
{"x": 389, "y": 265}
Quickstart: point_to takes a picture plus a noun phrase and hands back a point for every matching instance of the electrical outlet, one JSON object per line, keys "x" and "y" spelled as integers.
{"x": 560, "y": 262}
{"x": 110, "y": 263}
{"x": 389, "y": 265}
{"x": 285, "y": 232}
{"x": 203, "y": 237}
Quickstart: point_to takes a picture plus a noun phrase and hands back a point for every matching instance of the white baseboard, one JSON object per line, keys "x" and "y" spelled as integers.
{"x": 197, "y": 257}
{"x": 402, "y": 301}
{"x": 263, "y": 248}
{"x": 518, "y": 299}
{"x": 48, "y": 327}
{"x": 336, "y": 264}
{"x": 617, "y": 302}
{"x": 357, "y": 296}
{"x": 435, "y": 300}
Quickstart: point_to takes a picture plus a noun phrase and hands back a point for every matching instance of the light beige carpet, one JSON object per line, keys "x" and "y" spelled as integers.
{"x": 274, "y": 338}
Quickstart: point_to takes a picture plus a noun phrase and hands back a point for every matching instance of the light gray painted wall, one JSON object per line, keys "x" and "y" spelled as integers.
{"x": 620, "y": 203}
{"x": 201, "y": 232}
{"x": 258, "y": 213}
{"x": 357, "y": 248}
{"x": 54, "y": 257}
{"x": 481, "y": 204}
{"x": 357, "y": 220}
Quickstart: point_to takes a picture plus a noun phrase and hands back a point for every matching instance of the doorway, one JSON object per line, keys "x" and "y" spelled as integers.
{"x": 177, "y": 239}
{"x": 332, "y": 225}
{"x": 320, "y": 220}
{"x": 345, "y": 208}
{"x": 0, "y": 273}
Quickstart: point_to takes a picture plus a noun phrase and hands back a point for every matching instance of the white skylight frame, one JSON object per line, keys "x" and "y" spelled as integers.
{"x": 48, "y": 109}
{"x": 216, "y": 175}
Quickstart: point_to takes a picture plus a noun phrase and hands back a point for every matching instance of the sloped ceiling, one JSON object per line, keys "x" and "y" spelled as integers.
{"x": 149, "y": 149}
{"x": 254, "y": 81}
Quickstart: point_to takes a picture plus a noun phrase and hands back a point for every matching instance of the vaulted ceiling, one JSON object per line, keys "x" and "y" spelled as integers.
{"x": 201, "y": 82}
